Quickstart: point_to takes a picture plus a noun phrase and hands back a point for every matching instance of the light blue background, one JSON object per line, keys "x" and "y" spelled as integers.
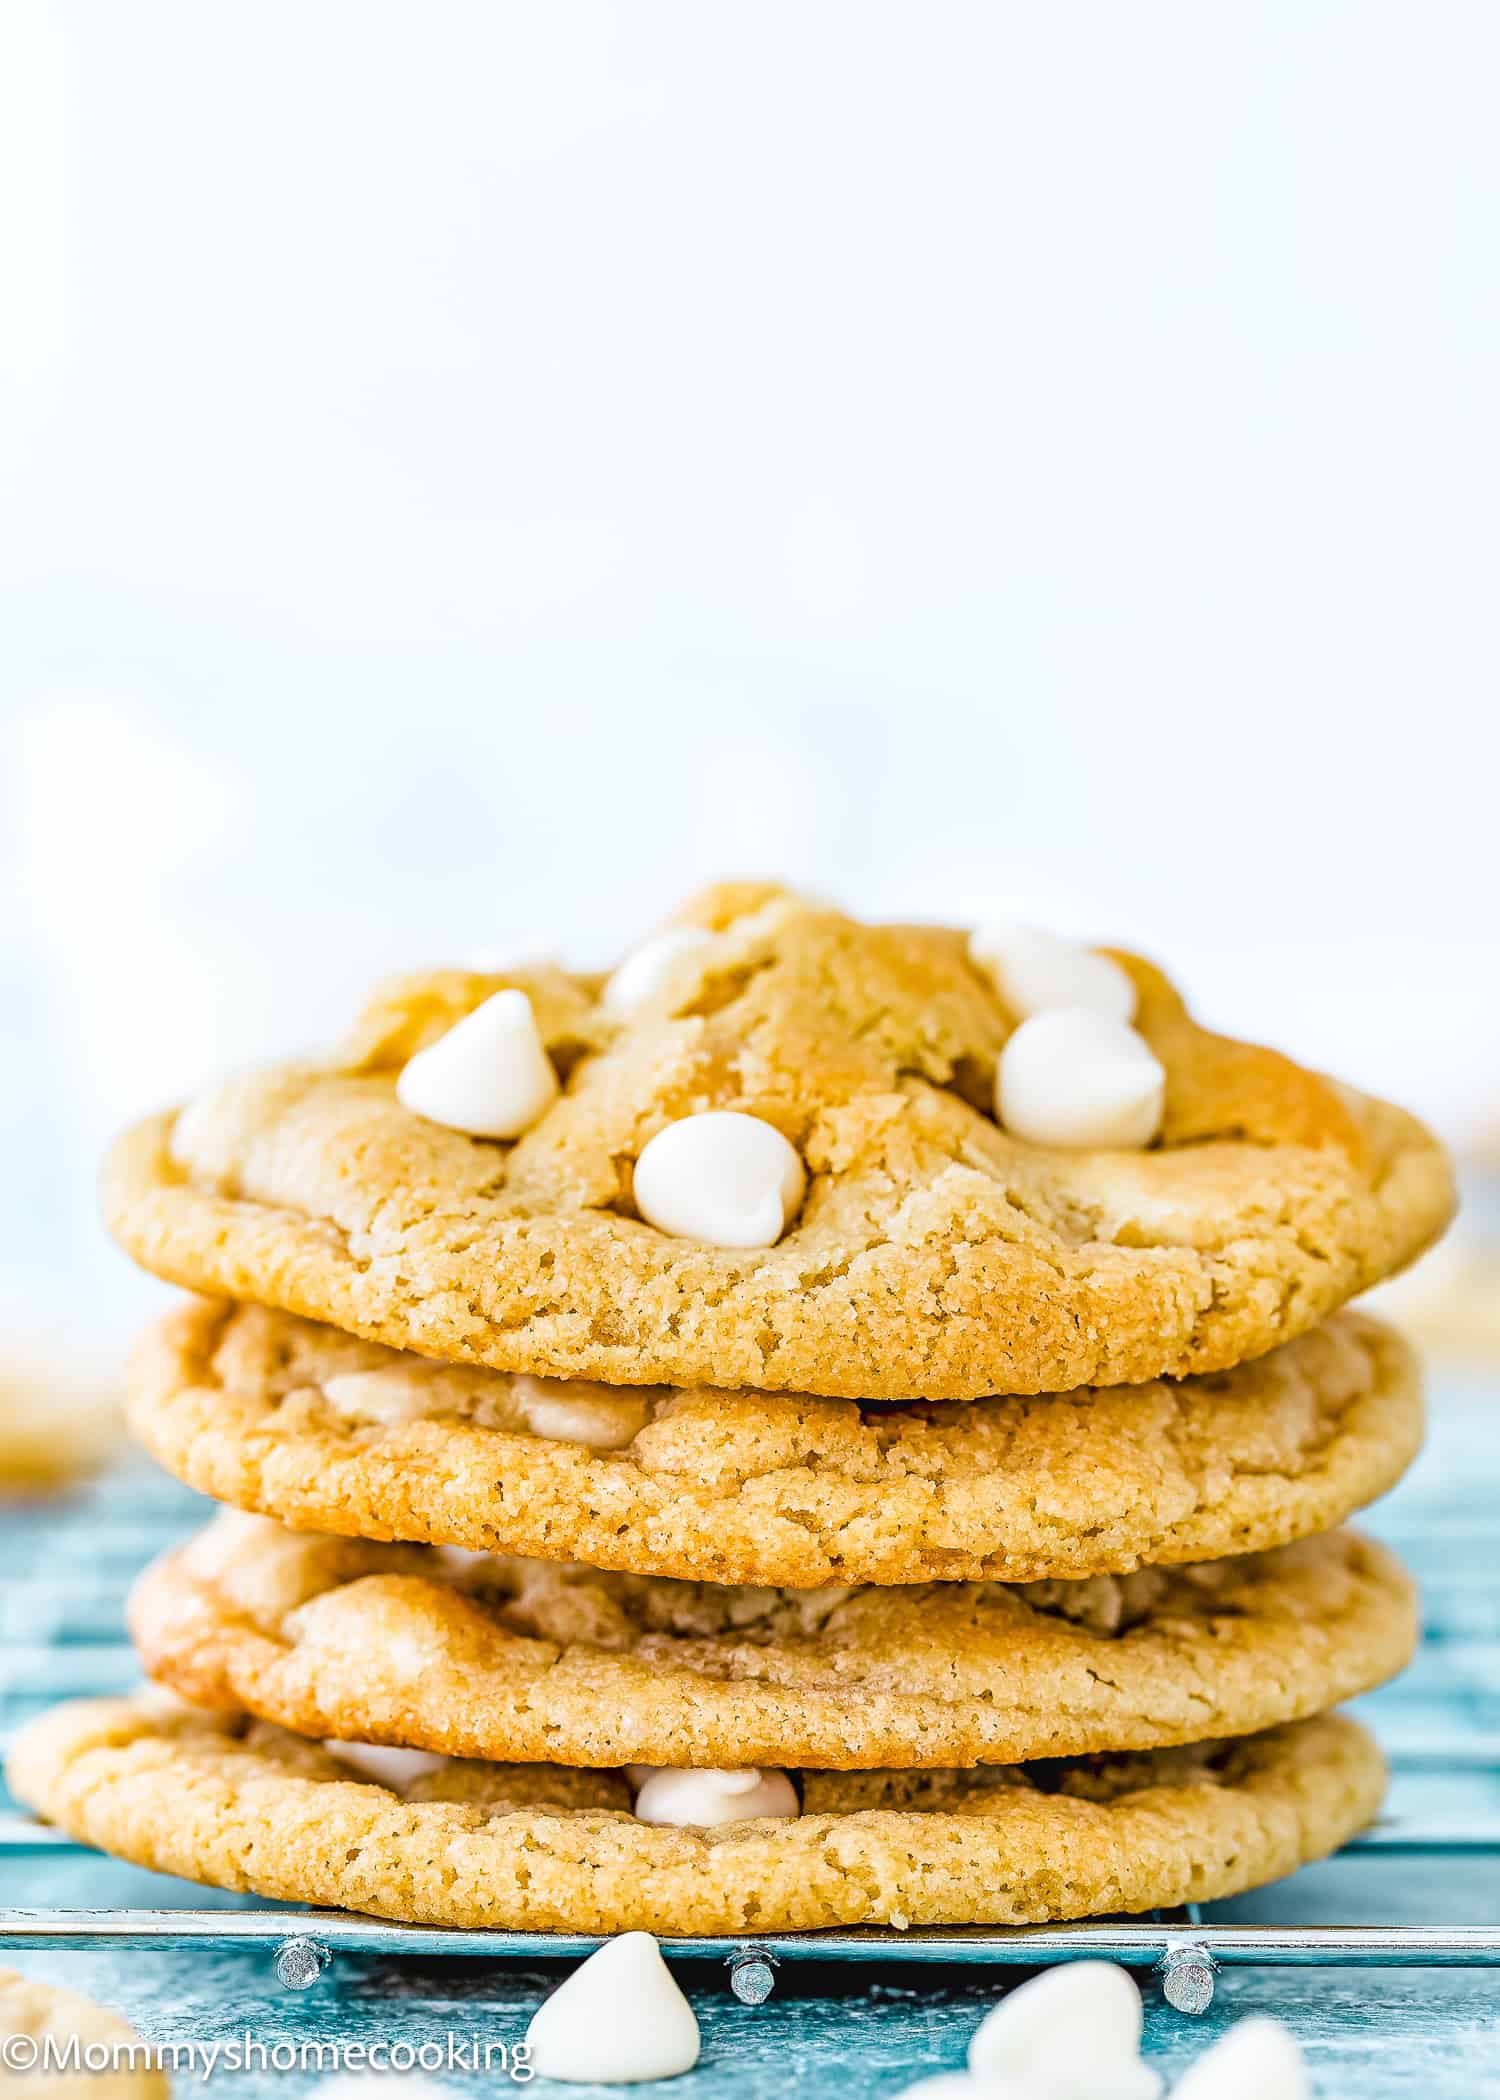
{"x": 470, "y": 473}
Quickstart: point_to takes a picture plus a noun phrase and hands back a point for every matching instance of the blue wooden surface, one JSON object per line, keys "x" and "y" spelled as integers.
{"x": 870, "y": 2028}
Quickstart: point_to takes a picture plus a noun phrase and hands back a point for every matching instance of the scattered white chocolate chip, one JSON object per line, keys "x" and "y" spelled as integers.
{"x": 723, "y": 1177}
{"x": 644, "y": 975}
{"x": 489, "y": 1076}
{"x": 701, "y": 1800}
{"x": 1258, "y": 2059}
{"x": 619, "y": 2019}
{"x": 385, "y": 1764}
{"x": 1075, "y": 1078}
{"x": 1074, "y": 2032}
{"x": 1034, "y": 970}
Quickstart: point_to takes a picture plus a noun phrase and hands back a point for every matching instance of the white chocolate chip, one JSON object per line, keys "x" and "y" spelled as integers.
{"x": 489, "y": 1076}
{"x": 1034, "y": 971}
{"x": 1258, "y": 2059}
{"x": 257, "y": 1564}
{"x": 195, "y": 1144}
{"x": 1075, "y": 1078}
{"x": 1074, "y": 2032}
{"x": 644, "y": 975}
{"x": 619, "y": 2019}
{"x": 701, "y": 1800}
{"x": 747, "y": 1602}
{"x": 395, "y": 1393}
{"x": 722, "y": 1177}
{"x": 461, "y": 1561}
{"x": 385, "y": 1764}
{"x": 579, "y": 1411}
{"x": 211, "y": 1550}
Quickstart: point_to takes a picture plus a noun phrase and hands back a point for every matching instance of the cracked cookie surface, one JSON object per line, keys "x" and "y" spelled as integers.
{"x": 934, "y": 1257}
{"x": 520, "y": 1660}
{"x": 329, "y": 1433}
{"x": 552, "y": 1848}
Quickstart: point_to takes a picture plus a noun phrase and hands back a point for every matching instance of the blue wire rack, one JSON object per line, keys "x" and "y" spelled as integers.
{"x": 1418, "y": 1891}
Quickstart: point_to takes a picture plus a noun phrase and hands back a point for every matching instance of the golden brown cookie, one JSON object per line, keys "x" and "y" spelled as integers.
{"x": 519, "y": 1660}
{"x": 935, "y": 1256}
{"x": 1451, "y": 1306}
{"x": 554, "y": 1848}
{"x": 329, "y": 1433}
{"x": 58, "y": 2022}
{"x": 53, "y": 1429}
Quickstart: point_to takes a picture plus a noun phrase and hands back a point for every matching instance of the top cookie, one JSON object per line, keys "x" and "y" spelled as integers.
{"x": 936, "y": 1255}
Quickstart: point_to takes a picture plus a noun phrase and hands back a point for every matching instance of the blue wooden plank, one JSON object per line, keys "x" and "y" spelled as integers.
{"x": 824, "y": 2032}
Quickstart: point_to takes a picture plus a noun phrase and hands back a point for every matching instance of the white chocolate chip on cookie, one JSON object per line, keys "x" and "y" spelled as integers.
{"x": 407, "y": 1391}
{"x": 489, "y": 1076}
{"x": 701, "y": 1800}
{"x": 385, "y": 1764}
{"x": 644, "y": 975}
{"x": 1074, "y": 1078}
{"x": 1034, "y": 971}
{"x": 580, "y": 1411}
{"x": 723, "y": 1177}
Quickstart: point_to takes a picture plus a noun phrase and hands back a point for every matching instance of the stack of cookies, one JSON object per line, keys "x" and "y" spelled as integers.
{"x": 829, "y": 1425}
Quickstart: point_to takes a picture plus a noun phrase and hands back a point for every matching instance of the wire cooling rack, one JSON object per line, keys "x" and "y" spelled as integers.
{"x": 1421, "y": 1889}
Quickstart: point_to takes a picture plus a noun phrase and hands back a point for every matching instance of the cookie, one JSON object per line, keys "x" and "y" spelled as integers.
{"x": 329, "y": 1433}
{"x": 59, "y": 2021}
{"x": 51, "y": 1431}
{"x": 934, "y": 1257}
{"x": 555, "y": 1849}
{"x": 1453, "y": 1312}
{"x": 521, "y": 1660}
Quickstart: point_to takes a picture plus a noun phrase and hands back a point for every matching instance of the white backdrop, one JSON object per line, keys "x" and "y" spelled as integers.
{"x": 472, "y": 471}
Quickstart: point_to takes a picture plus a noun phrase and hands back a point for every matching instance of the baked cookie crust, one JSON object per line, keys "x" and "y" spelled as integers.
{"x": 554, "y": 1849}
{"x": 934, "y": 1257}
{"x": 524, "y": 1660}
{"x": 775, "y": 1489}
